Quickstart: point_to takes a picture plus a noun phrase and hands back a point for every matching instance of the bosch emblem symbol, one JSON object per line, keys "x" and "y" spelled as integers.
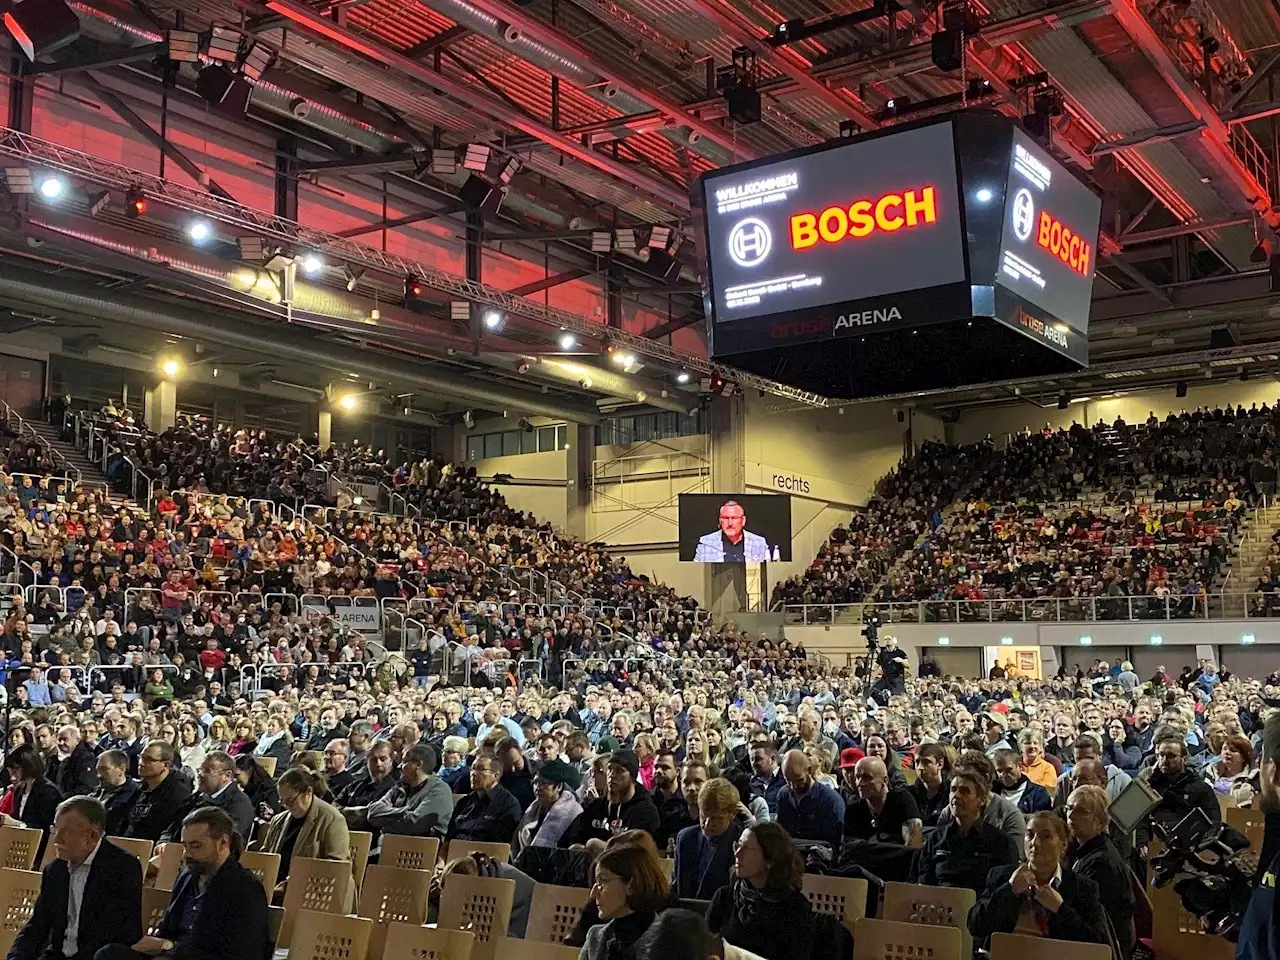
{"x": 1024, "y": 214}
{"x": 749, "y": 242}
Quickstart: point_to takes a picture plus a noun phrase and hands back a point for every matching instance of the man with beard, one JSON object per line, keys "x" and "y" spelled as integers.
{"x": 672, "y": 813}
{"x": 1260, "y": 929}
{"x": 625, "y": 806}
{"x": 1180, "y": 788}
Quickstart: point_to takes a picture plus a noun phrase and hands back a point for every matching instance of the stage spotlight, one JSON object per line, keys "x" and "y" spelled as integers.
{"x": 52, "y": 187}
{"x": 354, "y": 275}
{"x": 312, "y": 263}
{"x": 98, "y": 202}
{"x": 135, "y": 203}
{"x": 509, "y": 170}
{"x": 40, "y": 27}
{"x": 444, "y": 162}
{"x": 984, "y": 195}
{"x": 412, "y": 288}
{"x": 683, "y": 376}
{"x": 183, "y": 46}
{"x": 493, "y": 320}
{"x": 601, "y": 241}
{"x": 221, "y": 44}
{"x": 19, "y": 180}
{"x": 200, "y": 231}
{"x": 477, "y": 157}
{"x": 568, "y": 341}
{"x": 257, "y": 61}
{"x": 170, "y": 367}
{"x": 460, "y": 311}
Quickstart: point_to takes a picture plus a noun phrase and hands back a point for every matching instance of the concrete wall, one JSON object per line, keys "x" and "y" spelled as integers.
{"x": 547, "y": 500}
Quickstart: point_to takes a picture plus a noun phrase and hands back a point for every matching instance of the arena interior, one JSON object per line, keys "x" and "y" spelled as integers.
{"x": 356, "y": 356}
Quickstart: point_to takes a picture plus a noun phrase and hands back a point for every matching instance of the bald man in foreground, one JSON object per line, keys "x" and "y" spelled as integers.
{"x": 807, "y": 808}
{"x": 880, "y": 814}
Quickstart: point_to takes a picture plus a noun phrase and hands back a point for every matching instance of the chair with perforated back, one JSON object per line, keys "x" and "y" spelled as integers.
{"x": 19, "y": 846}
{"x": 940, "y": 906}
{"x": 479, "y": 904}
{"x": 407, "y": 941}
{"x": 510, "y": 948}
{"x": 319, "y": 886}
{"x": 1247, "y": 821}
{"x": 881, "y": 939}
{"x": 409, "y": 853}
{"x": 139, "y": 848}
{"x": 1011, "y": 946}
{"x": 554, "y": 912}
{"x": 392, "y": 895}
{"x": 464, "y": 848}
{"x": 268, "y": 765}
{"x": 329, "y": 936}
{"x": 1177, "y": 934}
{"x": 361, "y": 844}
{"x": 845, "y": 898}
{"x": 154, "y": 903}
{"x": 264, "y": 866}
{"x": 170, "y": 866}
{"x": 18, "y": 892}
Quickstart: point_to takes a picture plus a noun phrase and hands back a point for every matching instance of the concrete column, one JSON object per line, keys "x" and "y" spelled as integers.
{"x": 160, "y": 406}
{"x": 324, "y": 429}
{"x": 456, "y": 442}
{"x": 237, "y": 414}
{"x": 578, "y": 465}
{"x": 726, "y": 590}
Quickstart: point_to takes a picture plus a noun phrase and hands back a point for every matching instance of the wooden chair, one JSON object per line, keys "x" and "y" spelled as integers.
{"x": 264, "y": 866}
{"x": 260, "y": 833}
{"x": 170, "y": 866}
{"x": 19, "y": 846}
{"x": 668, "y": 868}
{"x": 1011, "y": 946}
{"x": 154, "y": 903}
{"x": 407, "y": 941}
{"x": 268, "y": 765}
{"x": 554, "y": 912}
{"x": 464, "y": 848}
{"x": 845, "y": 898}
{"x": 1225, "y": 802}
{"x": 479, "y": 904}
{"x": 409, "y": 853}
{"x": 392, "y": 895}
{"x": 361, "y": 843}
{"x": 1248, "y": 822}
{"x": 510, "y": 948}
{"x": 878, "y": 939}
{"x": 328, "y": 936}
{"x": 18, "y": 892}
{"x": 139, "y": 848}
{"x": 937, "y": 906}
{"x": 1176, "y": 934}
{"x": 317, "y": 886}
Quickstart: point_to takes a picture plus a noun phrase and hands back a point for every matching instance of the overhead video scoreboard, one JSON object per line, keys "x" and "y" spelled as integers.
{"x": 951, "y": 251}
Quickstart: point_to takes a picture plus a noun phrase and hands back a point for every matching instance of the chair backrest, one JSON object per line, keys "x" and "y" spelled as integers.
{"x": 1011, "y": 946}
{"x": 408, "y": 941}
{"x": 554, "y": 912}
{"x": 1247, "y": 821}
{"x": 1176, "y": 934}
{"x": 264, "y": 866}
{"x": 392, "y": 895}
{"x": 329, "y": 936}
{"x": 19, "y": 846}
{"x": 319, "y": 886}
{"x": 479, "y": 904}
{"x": 139, "y": 848}
{"x": 845, "y": 898}
{"x": 268, "y": 765}
{"x": 169, "y": 867}
{"x": 668, "y": 865}
{"x": 939, "y": 906}
{"x": 18, "y": 892}
{"x": 361, "y": 843}
{"x": 881, "y": 939}
{"x": 154, "y": 903}
{"x": 509, "y": 948}
{"x": 464, "y": 848}
{"x": 409, "y": 853}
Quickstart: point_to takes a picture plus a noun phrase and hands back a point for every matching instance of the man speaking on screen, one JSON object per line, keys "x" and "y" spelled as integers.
{"x": 732, "y": 543}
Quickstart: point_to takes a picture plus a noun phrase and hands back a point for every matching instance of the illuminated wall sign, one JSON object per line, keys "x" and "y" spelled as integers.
{"x": 836, "y": 233}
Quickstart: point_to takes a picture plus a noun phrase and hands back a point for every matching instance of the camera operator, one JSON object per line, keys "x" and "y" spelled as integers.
{"x": 871, "y": 632}
{"x": 1260, "y": 929}
{"x": 893, "y": 667}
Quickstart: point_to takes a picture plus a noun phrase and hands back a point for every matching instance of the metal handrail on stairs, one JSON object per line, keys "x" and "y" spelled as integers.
{"x": 23, "y": 428}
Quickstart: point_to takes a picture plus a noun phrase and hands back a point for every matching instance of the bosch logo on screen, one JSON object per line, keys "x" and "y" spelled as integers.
{"x": 1024, "y": 214}
{"x": 1072, "y": 249}
{"x": 889, "y": 213}
{"x": 749, "y": 242}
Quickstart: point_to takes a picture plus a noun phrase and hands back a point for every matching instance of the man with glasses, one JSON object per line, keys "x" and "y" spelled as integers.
{"x": 1180, "y": 789}
{"x": 488, "y": 813}
{"x": 164, "y": 796}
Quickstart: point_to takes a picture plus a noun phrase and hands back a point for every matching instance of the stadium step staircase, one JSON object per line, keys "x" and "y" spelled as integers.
{"x": 1251, "y": 553}
{"x": 64, "y": 452}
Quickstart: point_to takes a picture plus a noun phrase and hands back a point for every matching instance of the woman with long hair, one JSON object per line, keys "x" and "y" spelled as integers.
{"x": 192, "y": 748}
{"x": 762, "y": 910}
{"x": 259, "y": 788}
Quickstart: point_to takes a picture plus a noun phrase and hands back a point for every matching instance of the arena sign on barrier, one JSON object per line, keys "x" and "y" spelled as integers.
{"x": 363, "y": 616}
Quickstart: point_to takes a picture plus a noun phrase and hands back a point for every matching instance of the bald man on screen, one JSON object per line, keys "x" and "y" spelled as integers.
{"x": 732, "y": 543}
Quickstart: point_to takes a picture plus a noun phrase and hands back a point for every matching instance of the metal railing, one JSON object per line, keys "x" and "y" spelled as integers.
{"x": 23, "y": 429}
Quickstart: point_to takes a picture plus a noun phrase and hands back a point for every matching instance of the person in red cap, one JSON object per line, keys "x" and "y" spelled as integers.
{"x": 849, "y": 758}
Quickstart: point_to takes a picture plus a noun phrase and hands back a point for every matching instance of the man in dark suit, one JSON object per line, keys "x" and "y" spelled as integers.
{"x": 75, "y": 774}
{"x": 218, "y": 788}
{"x": 89, "y": 897}
{"x": 218, "y": 909}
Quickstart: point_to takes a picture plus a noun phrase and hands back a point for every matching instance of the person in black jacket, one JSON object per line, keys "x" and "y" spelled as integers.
{"x": 218, "y": 788}
{"x": 1039, "y": 896}
{"x": 488, "y": 813}
{"x": 762, "y": 909}
{"x": 35, "y": 799}
{"x": 1092, "y": 854}
{"x": 625, "y": 806}
{"x": 163, "y": 797}
{"x": 964, "y": 849}
{"x": 218, "y": 908}
{"x": 109, "y": 909}
{"x": 76, "y": 762}
{"x": 1181, "y": 789}
{"x": 116, "y": 790}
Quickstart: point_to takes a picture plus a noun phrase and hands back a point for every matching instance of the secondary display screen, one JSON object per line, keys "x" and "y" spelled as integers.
{"x": 1049, "y": 245}
{"x": 735, "y": 528}
{"x": 835, "y": 227}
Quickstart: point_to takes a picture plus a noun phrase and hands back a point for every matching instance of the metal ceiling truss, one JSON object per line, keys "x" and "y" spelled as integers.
{"x": 33, "y": 151}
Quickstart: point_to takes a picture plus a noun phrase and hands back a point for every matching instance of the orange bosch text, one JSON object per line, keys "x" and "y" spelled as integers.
{"x": 1069, "y": 247}
{"x": 891, "y": 212}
